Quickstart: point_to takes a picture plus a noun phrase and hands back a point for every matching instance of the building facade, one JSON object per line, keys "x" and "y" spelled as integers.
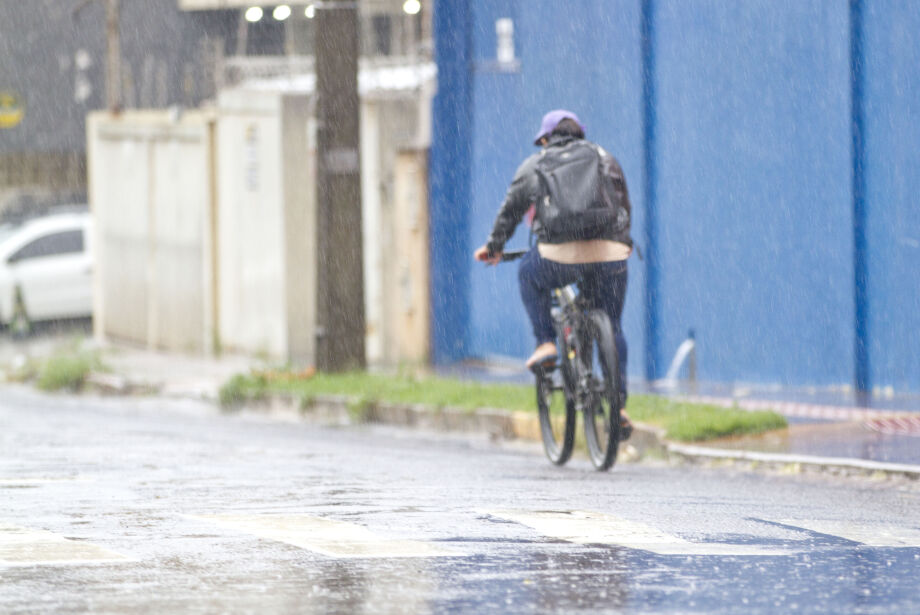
{"x": 53, "y": 64}
{"x": 770, "y": 152}
{"x": 173, "y": 53}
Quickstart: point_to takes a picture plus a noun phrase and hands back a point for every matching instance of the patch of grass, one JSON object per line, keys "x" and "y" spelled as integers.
{"x": 432, "y": 391}
{"x": 359, "y": 408}
{"x": 239, "y": 389}
{"x": 67, "y": 371}
{"x": 688, "y": 422}
{"x": 682, "y": 421}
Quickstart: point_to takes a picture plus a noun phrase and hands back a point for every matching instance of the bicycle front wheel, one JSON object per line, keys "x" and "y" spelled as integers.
{"x": 557, "y": 416}
{"x": 602, "y": 391}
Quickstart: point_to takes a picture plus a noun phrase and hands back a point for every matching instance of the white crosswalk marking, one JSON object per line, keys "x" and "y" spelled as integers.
{"x": 27, "y": 482}
{"x": 21, "y": 546}
{"x": 873, "y": 535}
{"x": 325, "y": 536}
{"x": 585, "y": 527}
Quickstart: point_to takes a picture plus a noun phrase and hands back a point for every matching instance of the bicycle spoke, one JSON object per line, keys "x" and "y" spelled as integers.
{"x": 600, "y": 388}
{"x": 557, "y": 417}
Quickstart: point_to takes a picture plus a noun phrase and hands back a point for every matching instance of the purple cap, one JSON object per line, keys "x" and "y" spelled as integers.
{"x": 551, "y": 120}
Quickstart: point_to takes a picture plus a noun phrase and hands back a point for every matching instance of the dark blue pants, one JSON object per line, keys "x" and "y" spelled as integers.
{"x": 603, "y": 283}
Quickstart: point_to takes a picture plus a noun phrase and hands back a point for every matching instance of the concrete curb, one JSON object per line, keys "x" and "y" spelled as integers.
{"x": 501, "y": 424}
{"x": 793, "y": 464}
{"x": 113, "y": 384}
{"x": 497, "y": 424}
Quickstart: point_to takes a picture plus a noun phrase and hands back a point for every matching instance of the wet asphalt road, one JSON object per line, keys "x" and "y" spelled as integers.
{"x": 152, "y": 506}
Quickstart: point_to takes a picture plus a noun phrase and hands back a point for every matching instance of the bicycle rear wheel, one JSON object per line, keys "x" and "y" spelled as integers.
{"x": 602, "y": 398}
{"x": 557, "y": 416}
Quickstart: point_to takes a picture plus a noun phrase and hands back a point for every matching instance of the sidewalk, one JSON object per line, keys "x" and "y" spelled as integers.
{"x": 871, "y": 440}
{"x": 822, "y": 423}
{"x": 132, "y": 369}
{"x": 171, "y": 374}
{"x": 831, "y": 431}
{"x": 818, "y": 434}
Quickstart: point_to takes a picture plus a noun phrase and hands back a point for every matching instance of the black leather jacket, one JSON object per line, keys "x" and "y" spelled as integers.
{"x": 525, "y": 189}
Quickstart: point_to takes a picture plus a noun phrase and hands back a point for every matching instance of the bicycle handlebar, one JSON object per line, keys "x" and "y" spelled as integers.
{"x": 507, "y": 257}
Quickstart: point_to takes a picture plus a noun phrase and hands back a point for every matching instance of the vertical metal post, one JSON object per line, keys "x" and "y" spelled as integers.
{"x": 340, "y": 275}
{"x": 113, "y": 55}
{"x": 242, "y": 35}
{"x": 691, "y": 362}
{"x": 450, "y": 180}
{"x": 425, "y": 41}
{"x": 212, "y": 342}
{"x": 652, "y": 307}
{"x": 861, "y": 358}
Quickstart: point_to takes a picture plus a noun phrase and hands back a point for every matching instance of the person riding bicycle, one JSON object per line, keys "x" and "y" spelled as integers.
{"x": 595, "y": 256}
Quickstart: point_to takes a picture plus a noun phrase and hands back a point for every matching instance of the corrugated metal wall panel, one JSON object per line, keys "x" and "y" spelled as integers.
{"x": 744, "y": 133}
{"x": 892, "y": 130}
{"x": 585, "y": 60}
{"x": 754, "y": 188}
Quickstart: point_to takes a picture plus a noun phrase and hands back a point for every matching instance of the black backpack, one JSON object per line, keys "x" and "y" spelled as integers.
{"x": 577, "y": 198}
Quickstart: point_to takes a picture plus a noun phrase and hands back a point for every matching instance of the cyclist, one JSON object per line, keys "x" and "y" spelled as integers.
{"x": 596, "y": 259}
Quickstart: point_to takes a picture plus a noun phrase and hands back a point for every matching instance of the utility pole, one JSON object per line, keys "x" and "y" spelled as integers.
{"x": 113, "y": 55}
{"x": 340, "y": 309}
{"x": 112, "y": 50}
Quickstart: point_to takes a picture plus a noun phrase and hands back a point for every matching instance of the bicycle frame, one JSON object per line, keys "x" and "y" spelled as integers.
{"x": 583, "y": 336}
{"x": 570, "y": 310}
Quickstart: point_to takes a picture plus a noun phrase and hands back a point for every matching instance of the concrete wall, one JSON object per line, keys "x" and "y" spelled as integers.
{"x": 152, "y": 207}
{"x": 394, "y": 143}
{"x": 768, "y": 148}
{"x": 208, "y": 232}
{"x": 410, "y": 316}
{"x": 205, "y": 227}
{"x": 266, "y": 227}
{"x": 267, "y": 237}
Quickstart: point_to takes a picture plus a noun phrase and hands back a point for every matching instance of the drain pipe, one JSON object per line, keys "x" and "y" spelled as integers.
{"x": 686, "y": 352}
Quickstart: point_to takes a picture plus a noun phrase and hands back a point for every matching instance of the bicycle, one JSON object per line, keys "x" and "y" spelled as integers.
{"x": 586, "y": 373}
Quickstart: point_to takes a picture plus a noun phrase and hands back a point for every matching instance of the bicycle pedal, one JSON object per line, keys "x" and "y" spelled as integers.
{"x": 556, "y": 380}
{"x": 626, "y": 430}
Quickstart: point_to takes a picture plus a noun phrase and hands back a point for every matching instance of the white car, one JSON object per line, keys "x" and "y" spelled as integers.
{"x": 46, "y": 270}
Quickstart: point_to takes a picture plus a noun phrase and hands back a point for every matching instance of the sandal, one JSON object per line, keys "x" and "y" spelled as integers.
{"x": 544, "y": 359}
{"x": 543, "y": 365}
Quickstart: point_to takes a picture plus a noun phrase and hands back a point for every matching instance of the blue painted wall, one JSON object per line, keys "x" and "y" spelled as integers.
{"x": 508, "y": 107}
{"x": 753, "y": 146}
{"x": 449, "y": 189}
{"x": 892, "y": 176}
{"x": 753, "y": 141}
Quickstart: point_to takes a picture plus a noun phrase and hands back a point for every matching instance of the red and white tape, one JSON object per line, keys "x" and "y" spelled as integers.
{"x": 900, "y": 426}
{"x": 886, "y": 421}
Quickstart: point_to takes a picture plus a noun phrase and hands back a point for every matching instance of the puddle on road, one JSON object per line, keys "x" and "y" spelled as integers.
{"x": 849, "y": 440}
